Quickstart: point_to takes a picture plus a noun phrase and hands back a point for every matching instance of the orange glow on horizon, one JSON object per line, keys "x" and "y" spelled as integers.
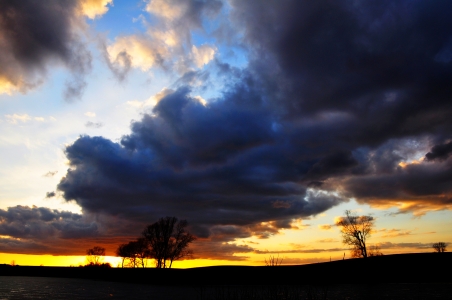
{"x": 255, "y": 260}
{"x": 76, "y": 260}
{"x": 38, "y": 260}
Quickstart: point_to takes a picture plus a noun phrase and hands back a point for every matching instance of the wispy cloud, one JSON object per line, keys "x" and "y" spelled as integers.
{"x": 15, "y": 118}
{"x": 50, "y": 174}
{"x": 24, "y": 118}
{"x": 327, "y": 241}
{"x": 396, "y": 233}
{"x": 312, "y": 250}
{"x": 94, "y": 124}
{"x": 325, "y": 227}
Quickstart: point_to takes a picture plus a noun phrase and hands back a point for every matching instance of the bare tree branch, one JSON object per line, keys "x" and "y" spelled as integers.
{"x": 168, "y": 241}
{"x": 355, "y": 231}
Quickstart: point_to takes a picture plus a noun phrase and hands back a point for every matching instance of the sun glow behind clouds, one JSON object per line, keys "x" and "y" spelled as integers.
{"x": 95, "y": 8}
{"x": 6, "y": 87}
{"x": 403, "y": 164}
{"x": 165, "y": 10}
{"x": 115, "y": 262}
{"x": 144, "y": 54}
{"x": 51, "y": 260}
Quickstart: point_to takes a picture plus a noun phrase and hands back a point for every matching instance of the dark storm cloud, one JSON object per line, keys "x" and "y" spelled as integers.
{"x": 41, "y": 223}
{"x": 35, "y": 34}
{"x": 409, "y": 183}
{"x": 440, "y": 152}
{"x": 336, "y": 163}
{"x": 340, "y": 99}
{"x": 220, "y": 164}
{"x": 10, "y": 245}
{"x": 373, "y": 75}
{"x": 376, "y": 62}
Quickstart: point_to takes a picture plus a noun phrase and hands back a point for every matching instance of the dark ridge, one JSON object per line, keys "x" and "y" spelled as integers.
{"x": 399, "y": 268}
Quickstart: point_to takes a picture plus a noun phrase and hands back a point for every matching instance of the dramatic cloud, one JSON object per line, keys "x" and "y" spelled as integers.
{"x": 339, "y": 100}
{"x": 369, "y": 82}
{"x": 419, "y": 186}
{"x": 37, "y": 34}
{"x": 440, "y": 152}
{"x": 42, "y": 230}
{"x": 217, "y": 164}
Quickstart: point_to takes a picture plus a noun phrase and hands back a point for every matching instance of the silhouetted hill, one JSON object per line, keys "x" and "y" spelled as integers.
{"x": 424, "y": 267}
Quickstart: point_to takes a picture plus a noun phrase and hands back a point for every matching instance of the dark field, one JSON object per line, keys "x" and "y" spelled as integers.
{"x": 407, "y": 276}
{"x": 72, "y": 288}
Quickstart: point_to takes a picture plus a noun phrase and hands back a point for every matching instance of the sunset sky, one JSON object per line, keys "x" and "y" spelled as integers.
{"x": 259, "y": 122}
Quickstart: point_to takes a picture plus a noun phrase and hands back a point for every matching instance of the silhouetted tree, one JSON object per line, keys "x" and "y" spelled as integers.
{"x": 168, "y": 241}
{"x": 439, "y": 247}
{"x": 134, "y": 253}
{"x": 124, "y": 252}
{"x": 355, "y": 231}
{"x": 142, "y": 251}
{"x": 95, "y": 255}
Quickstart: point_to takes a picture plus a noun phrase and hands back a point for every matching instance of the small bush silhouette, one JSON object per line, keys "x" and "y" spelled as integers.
{"x": 93, "y": 265}
{"x": 439, "y": 247}
{"x": 273, "y": 261}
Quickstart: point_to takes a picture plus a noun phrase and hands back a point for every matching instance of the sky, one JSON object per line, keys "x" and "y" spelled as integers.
{"x": 258, "y": 122}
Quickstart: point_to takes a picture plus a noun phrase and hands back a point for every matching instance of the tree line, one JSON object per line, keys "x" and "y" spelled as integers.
{"x": 356, "y": 230}
{"x": 168, "y": 240}
{"x": 164, "y": 241}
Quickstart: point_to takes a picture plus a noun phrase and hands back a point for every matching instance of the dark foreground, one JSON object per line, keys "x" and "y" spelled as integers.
{"x": 400, "y": 268}
{"x": 20, "y": 287}
{"x": 403, "y": 276}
